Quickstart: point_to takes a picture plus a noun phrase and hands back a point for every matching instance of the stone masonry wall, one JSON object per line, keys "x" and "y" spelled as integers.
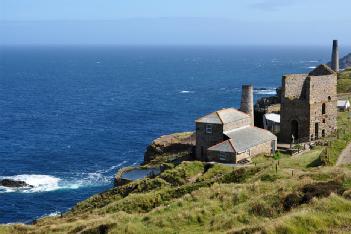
{"x": 322, "y": 90}
{"x": 213, "y": 156}
{"x": 205, "y": 140}
{"x": 302, "y": 100}
{"x": 264, "y": 148}
{"x": 295, "y": 84}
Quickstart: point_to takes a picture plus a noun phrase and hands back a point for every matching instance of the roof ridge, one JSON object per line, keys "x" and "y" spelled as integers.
{"x": 231, "y": 144}
{"x": 222, "y": 143}
{"x": 219, "y": 117}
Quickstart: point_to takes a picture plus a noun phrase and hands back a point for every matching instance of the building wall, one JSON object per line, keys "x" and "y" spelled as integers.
{"x": 214, "y": 156}
{"x": 205, "y": 140}
{"x": 322, "y": 90}
{"x": 294, "y": 110}
{"x": 264, "y": 148}
{"x": 296, "y": 86}
{"x": 237, "y": 124}
{"x": 302, "y": 100}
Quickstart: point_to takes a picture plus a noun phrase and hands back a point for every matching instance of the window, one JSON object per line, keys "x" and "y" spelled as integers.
{"x": 209, "y": 129}
{"x": 222, "y": 156}
{"x": 323, "y": 120}
{"x": 329, "y": 98}
{"x": 323, "y": 133}
{"x": 323, "y": 108}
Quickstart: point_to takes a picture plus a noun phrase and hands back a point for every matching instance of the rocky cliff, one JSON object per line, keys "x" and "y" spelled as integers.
{"x": 345, "y": 62}
{"x": 170, "y": 147}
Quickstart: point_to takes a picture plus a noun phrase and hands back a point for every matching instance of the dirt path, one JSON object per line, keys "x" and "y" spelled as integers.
{"x": 345, "y": 156}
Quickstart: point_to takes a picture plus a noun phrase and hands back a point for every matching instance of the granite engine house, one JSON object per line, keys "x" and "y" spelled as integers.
{"x": 228, "y": 135}
{"x": 308, "y": 105}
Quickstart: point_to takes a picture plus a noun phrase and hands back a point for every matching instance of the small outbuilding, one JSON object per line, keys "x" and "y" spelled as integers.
{"x": 343, "y": 105}
{"x": 242, "y": 144}
{"x": 271, "y": 122}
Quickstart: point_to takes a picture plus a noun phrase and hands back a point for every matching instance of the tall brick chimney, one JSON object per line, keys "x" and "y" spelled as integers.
{"x": 335, "y": 57}
{"x": 247, "y": 105}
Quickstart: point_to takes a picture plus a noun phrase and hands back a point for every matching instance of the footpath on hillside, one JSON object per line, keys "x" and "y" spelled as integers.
{"x": 345, "y": 156}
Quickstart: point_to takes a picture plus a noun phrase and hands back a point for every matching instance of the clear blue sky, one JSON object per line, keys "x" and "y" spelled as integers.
{"x": 174, "y": 22}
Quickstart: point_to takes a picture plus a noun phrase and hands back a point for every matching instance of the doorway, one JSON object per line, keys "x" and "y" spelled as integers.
{"x": 295, "y": 129}
{"x": 316, "y": 130}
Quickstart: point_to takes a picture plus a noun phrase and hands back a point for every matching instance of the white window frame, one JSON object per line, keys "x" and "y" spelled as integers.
{"x": 208, "y": 129}
{"x": 222, "y": 156}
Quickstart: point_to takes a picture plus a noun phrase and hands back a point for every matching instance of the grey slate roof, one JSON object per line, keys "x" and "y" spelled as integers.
{"x": 242, "y": 139}
{"x": 223, "y": 116}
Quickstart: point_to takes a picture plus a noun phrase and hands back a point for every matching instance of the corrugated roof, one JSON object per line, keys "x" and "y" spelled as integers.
{"x": 245, "y": 138}
{"x": 343, "y": 103}
{"x": 223, "y": 116}
{"x": 272, "y": 117}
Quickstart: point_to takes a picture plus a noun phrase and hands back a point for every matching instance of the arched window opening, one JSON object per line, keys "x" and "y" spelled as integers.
{"x": 323, "y": 108}
{"x": 329, "y": 98}
{"x": 323, "y": 133}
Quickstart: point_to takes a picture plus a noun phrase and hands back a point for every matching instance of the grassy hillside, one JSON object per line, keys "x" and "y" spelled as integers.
{"x": 297, "y": 198}
{"x": 344, "y": 81}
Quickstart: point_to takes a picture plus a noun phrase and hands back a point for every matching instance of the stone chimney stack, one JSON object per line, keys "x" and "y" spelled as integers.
{"x": 335, "y": 57}
{"x": 247, "y": 105}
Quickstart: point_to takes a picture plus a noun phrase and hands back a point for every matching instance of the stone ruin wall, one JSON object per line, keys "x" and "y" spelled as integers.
{"x": 322, "y": 89}
{"x": 294, "y": 107}
{"x": 302, "y": 100}
{"x": 293, "y": 86}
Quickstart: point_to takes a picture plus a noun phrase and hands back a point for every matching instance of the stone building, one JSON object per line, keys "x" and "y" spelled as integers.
{"x": 308, "y": 105}
{"x": 228, "y": 135}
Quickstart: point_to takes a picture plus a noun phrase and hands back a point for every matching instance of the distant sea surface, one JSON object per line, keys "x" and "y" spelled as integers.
{"x": 70, "y": 117}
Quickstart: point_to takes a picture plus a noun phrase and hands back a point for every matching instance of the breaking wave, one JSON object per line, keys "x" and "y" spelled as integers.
{"x": 265, "y": 91}
{"x": 312, "y": 67}
{"x": 47, "y": 183}
{"x": 186, "y": 91}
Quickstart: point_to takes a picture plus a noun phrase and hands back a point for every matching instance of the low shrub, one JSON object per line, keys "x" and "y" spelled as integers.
{"x": 261, "y": 209}
{"x": 240, "y": 175}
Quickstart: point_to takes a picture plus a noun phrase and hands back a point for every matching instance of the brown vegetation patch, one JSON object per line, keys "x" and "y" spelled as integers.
{"x": 310, "y": 191}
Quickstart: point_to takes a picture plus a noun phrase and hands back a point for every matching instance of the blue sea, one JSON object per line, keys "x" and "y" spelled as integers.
{"x": 71, "y": 116}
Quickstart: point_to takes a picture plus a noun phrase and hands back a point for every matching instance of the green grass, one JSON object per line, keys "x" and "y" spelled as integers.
{"x": 218, "y": 199}
{"x": 331, "y": 153}
{"x": 344, "y": 81}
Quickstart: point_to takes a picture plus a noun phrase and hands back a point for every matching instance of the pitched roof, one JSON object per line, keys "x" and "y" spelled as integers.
{"x": 243, "y": 139}
{"x": 225, "y": 146}
{"x": 223, "y": 116}
{"x": 322, "y": 70}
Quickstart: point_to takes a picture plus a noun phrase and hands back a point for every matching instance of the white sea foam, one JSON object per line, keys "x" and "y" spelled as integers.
{"x": 265, "y": 91}
{"x": 186, "y": 91}
{"x": 40, "y": 183}
{"x": 54, "y": 214}
{"x": 312, "y": 67}
{"x": 47, "y": 183}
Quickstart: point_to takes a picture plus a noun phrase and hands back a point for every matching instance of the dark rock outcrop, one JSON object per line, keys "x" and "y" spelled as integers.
{"x": 344, "y": 62}
{"x": 14, "y": 183}
{"x": 168, "y": 145}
